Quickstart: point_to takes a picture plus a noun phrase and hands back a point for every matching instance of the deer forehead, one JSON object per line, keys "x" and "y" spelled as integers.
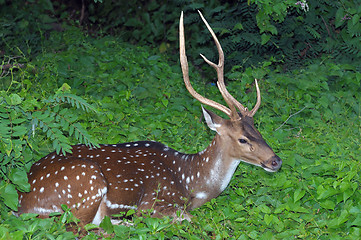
{"x": 242, "y": 128}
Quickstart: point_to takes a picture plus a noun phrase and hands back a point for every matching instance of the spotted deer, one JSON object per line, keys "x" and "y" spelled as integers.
{"x": 98, "y": 182}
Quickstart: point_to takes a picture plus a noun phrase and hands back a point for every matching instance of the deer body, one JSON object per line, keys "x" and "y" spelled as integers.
{"x": 98, "y": 182}
{"x": 170, "y": 180}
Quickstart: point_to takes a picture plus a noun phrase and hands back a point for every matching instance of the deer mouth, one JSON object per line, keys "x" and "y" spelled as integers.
{"x": 273, "y": 164}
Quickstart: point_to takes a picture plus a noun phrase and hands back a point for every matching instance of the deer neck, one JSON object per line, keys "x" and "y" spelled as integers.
{"x": 205, "y": 174}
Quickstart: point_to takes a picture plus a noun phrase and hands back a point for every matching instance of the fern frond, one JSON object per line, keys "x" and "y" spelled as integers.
{"x": 59, "y": 140}
{"x": 82, "y": 135}
{"x": 74, "y": 101}
{"x": 313, "y": 32}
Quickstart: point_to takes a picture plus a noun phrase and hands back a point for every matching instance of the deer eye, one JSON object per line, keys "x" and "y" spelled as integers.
{"x": 242, "y": 140}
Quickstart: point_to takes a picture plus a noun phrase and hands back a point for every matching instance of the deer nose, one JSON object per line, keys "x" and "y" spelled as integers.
{"x": 272, "y": 164}
{"x": 275, "y": 162}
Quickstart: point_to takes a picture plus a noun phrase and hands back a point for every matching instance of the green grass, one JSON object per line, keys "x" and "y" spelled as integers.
{"x": 311, "y": 117}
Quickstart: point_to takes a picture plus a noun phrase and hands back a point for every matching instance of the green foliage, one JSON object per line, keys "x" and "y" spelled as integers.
{"x": 32, "y": 124}
{"x": 28, "y": 227}
{"x": 250, "y": 31}
{"x": 314, "y": 114}
{"x": 117, "y": 92}
{"x": 24, "y": 25}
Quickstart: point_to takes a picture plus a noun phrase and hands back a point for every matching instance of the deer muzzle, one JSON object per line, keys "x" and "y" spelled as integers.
{"x": 272, "y": 164}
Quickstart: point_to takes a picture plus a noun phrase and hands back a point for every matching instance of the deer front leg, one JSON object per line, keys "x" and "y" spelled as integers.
{"x": 161, "y": 203}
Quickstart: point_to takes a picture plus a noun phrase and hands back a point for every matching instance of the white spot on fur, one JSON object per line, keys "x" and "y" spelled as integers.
{"x": 201, "y": 195}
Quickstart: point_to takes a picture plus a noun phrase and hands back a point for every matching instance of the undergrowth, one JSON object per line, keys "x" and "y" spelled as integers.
{"x": 89, "y": 90}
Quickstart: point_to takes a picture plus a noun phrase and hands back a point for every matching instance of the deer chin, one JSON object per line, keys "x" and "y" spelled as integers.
{"x": 277, "y": 162}
{"x": 251, "y": 163}
{"x": 269, "y": 169}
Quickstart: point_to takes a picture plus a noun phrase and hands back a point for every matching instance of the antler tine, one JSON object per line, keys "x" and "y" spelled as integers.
{"x": 231, "y": 101}
{"x": 219, "y": 68}
{"x": 258, "y": 103}
{"x": 185, "y": 71}
{"x": 243, "y": 109}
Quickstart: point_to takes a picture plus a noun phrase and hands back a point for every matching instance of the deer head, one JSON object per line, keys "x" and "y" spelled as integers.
{"x": 239, "y": 138}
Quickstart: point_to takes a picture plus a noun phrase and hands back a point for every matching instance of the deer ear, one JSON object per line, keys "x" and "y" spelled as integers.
{"x": 213, "y": 120}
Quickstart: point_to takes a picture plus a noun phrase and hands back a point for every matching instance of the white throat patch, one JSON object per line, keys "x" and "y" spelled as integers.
{"x": 218, "y": 177}
{"x": 227, "y": 177}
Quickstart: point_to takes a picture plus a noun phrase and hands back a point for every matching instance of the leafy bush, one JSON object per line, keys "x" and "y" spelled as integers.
{"x": 24, "y": 25}
{"x": 251, "y": 31}
{"x": 310, "y": 116}
{"x": 27, "y": 121}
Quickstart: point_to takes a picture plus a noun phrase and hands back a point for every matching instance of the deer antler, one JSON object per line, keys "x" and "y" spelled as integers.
{"x": 243, "y": 109}
{"x": 230, "y": 100}
{"x": 185, "y": 71}
{"x": 221, "y": 83}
